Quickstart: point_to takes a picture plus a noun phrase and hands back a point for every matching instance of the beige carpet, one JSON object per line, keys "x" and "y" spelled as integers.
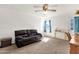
{"x": 46, "y": 46}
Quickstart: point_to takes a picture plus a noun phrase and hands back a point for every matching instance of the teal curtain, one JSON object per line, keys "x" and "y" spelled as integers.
{"x": 76, "y": 24}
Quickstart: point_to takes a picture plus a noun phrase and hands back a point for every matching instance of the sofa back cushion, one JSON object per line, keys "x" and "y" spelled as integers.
{"x": 20, "y": 32}
{"x": 25, "y": 32}
{"x": 33, "y": 31}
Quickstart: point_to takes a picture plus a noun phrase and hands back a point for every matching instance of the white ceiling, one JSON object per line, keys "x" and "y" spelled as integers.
{"x": 61, "y": 8}
{"x": 27, "y": 6}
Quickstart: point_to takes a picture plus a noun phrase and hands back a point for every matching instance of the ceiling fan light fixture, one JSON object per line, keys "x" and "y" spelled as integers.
{"x": 77, "y": 12}
{"x": 45, "y": 12}
{"x": 45, "y": 7}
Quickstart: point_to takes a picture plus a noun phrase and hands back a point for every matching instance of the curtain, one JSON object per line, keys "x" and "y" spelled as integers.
{"x": 50, "y": 25}
{"x": 45, "y": 26}
{"x": 76, "y": 23}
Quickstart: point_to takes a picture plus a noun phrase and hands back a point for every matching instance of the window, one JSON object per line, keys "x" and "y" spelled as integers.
{"x": 47, "y": 26}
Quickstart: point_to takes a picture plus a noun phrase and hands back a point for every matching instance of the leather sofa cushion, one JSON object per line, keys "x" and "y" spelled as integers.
{"x": 26, "y": 35}
{"x": 19, "y": 37}
{"x": 20, "y": 32}
{"x": 33, "y": 31}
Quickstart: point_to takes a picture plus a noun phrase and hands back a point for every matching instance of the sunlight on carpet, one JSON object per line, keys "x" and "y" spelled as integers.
{"x": 45, "y": 39}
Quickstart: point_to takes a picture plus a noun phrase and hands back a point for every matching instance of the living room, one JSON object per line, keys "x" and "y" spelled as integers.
{"x": 16, "y": 17}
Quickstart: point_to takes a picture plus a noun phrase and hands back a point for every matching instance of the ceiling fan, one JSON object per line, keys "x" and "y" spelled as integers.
{"x": 45, "y": 8}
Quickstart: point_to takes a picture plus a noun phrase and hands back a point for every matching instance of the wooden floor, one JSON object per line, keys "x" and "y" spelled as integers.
{"x": 46, "y": 46}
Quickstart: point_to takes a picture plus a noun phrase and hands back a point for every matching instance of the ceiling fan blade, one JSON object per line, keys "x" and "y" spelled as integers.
{"x": 51, "y": 10}
{"x": 47, "y": 10}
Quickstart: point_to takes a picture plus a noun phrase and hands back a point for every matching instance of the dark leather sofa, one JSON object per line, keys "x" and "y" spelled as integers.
{"x": 25, "y": 37}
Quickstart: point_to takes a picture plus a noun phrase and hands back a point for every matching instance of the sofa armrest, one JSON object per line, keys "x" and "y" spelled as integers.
{"x": 39, "y": 34}
{"x": 18, "y": 37}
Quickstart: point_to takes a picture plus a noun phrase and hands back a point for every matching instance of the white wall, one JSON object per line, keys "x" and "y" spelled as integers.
{"x": 17, "y": 17}
{"x": 62, "y": 22}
